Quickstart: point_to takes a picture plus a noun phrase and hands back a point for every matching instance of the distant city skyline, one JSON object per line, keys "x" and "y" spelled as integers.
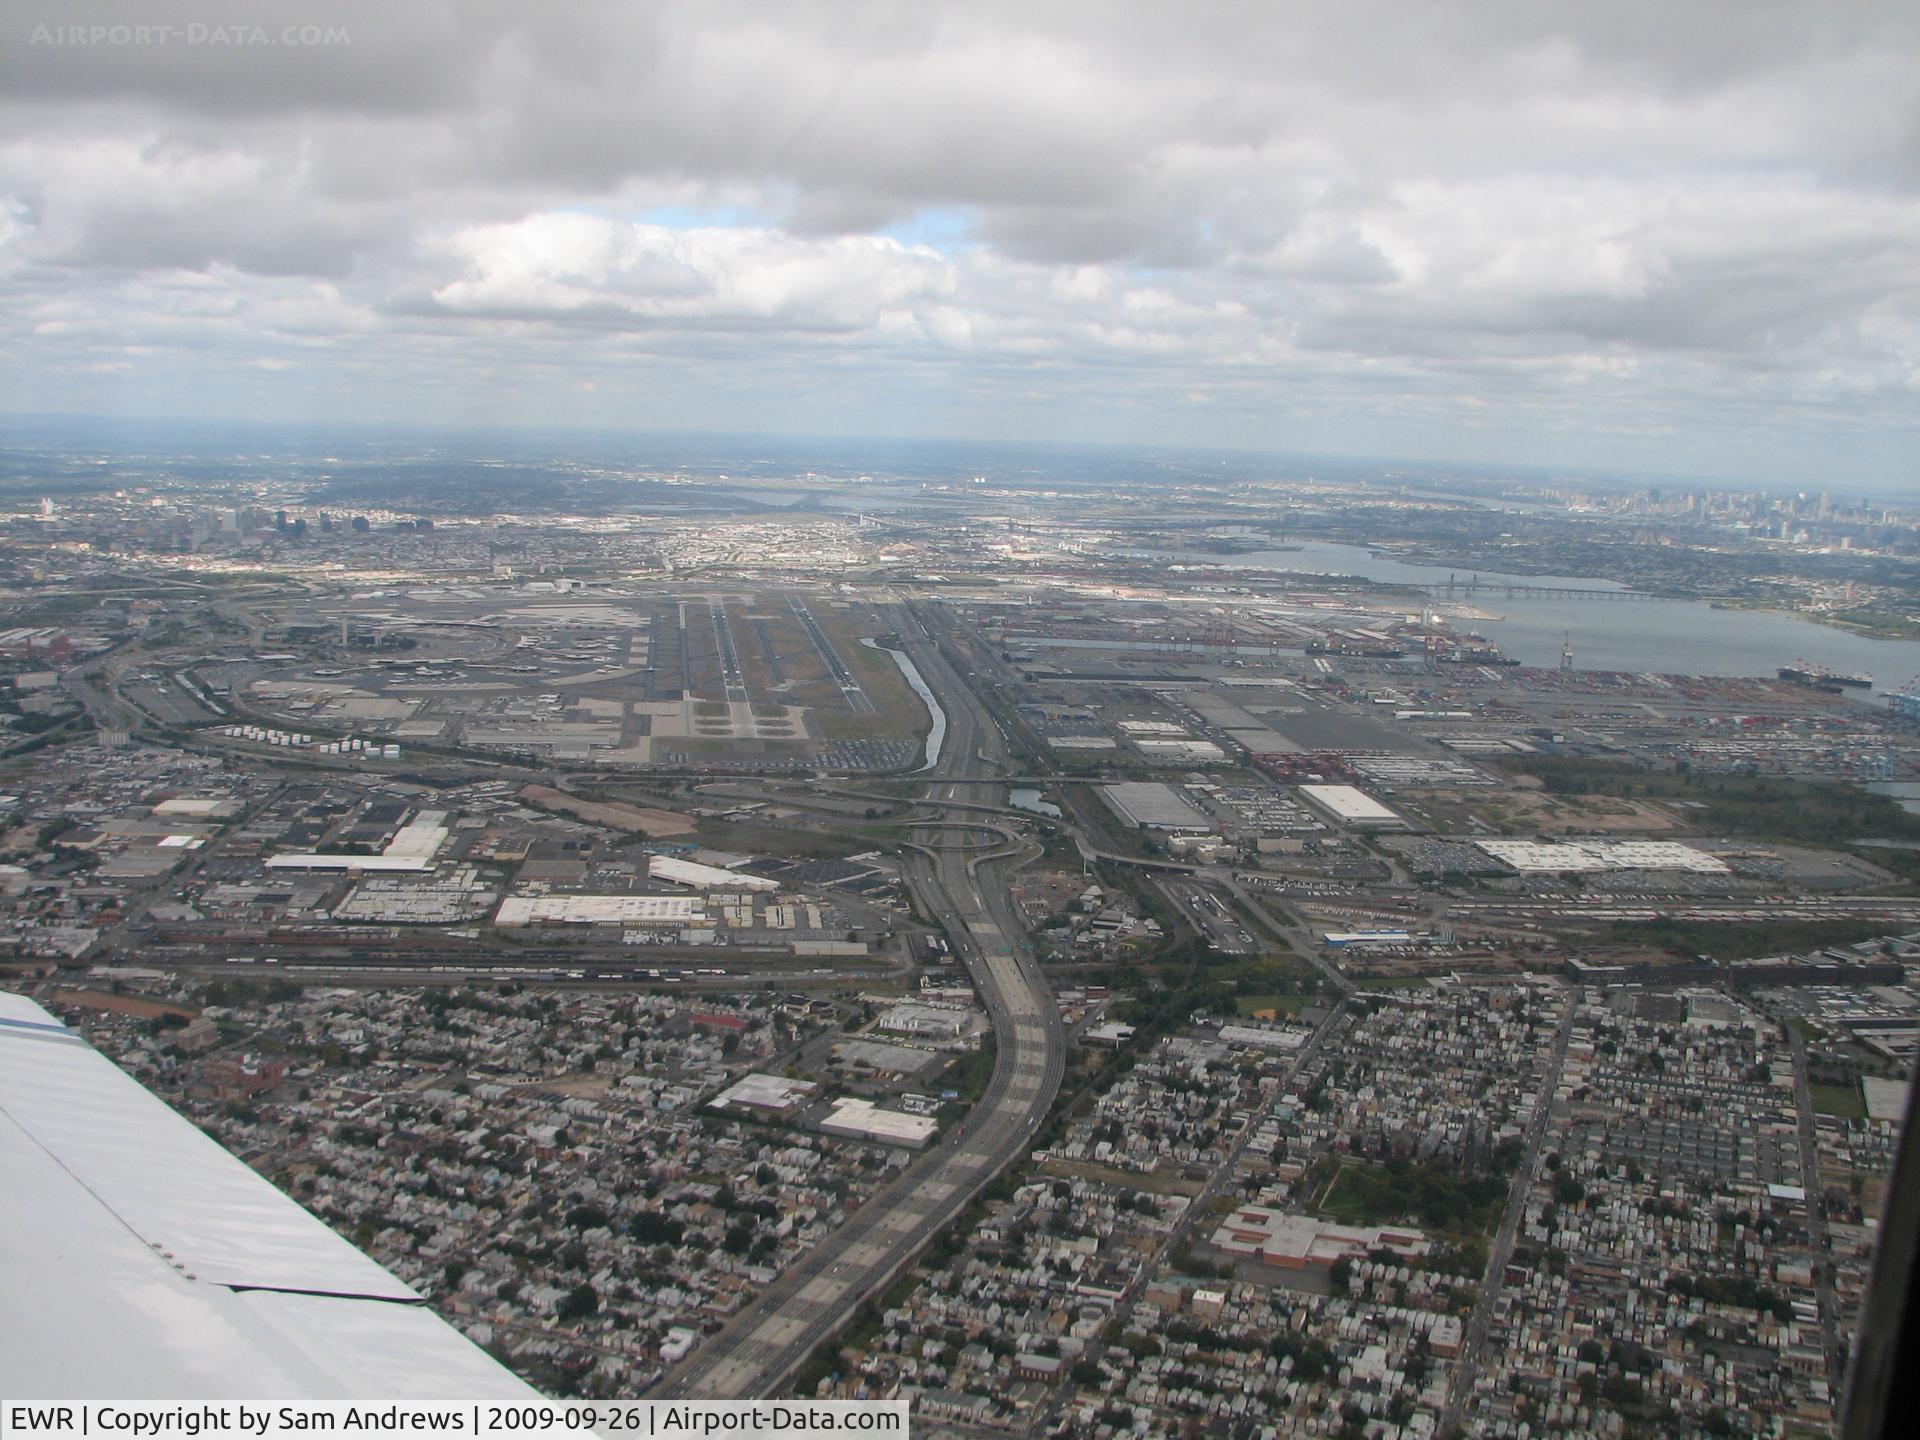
{"x": 766, "y": 455}
{"x": 1677, "y": 241}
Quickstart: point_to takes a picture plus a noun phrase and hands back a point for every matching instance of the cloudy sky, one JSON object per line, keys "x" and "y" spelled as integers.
{"x": 1677, "y": 236}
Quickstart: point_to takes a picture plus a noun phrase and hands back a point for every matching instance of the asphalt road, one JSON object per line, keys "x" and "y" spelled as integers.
{"x": 1830, "y": 1342}
{"x": 1475, "y": 1339}
{"x": 762, "y": 1345}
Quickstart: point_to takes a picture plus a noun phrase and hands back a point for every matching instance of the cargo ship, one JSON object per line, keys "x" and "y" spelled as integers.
{"x": 1471, "y": 649}
{"x": 1358, "y": 647}
{"x": 1818, "y": 677}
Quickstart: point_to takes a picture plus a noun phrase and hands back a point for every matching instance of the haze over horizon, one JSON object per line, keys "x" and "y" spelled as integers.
{"x": 1679, "y": 240}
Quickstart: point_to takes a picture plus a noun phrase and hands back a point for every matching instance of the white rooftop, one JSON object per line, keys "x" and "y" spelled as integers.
{"x": 601, "y": 910}
{"x": 864, "y": 1120}
{"x": 765, "y": 1092}
{"x": 1349, "y": 803}
{"x": 704, "y": 877}
{"x": 413, "y": 863}
{"x": 1564, "y": 857}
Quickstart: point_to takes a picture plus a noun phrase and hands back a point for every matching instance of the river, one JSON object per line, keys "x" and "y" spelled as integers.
{"x": 1682, "y": 637}
{"x": 937, "y": 732}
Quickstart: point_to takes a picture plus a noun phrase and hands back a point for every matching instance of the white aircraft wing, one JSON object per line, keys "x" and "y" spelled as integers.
{"x": 140, "y": 1260}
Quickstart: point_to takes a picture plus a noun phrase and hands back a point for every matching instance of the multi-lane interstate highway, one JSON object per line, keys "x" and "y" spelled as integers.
{"x": 761, "y": 1347}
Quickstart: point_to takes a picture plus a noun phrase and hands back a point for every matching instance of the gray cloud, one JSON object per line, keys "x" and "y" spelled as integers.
{"x": 1352, "y": 226}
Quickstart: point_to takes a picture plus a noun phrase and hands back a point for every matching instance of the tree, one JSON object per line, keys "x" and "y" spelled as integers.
{"x": 578, "y": 1303}
{"x": 587, "y": 1217}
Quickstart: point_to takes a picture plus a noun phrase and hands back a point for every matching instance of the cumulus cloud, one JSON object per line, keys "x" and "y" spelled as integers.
{"x": 1361, "y": 226}
{"x": 570, "y": 266}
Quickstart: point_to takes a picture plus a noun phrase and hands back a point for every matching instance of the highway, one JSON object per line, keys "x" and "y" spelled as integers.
{"x": 758, "y": 1350}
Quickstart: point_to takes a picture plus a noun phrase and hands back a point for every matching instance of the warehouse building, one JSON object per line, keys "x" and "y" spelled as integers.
{"x": 404, "y": 864}
{"x": 770, "y": 1095}
{"x": 858, "y": 1119}
{"x": 1149, "y": 805}
{"x": 1352, "y": 807}
{"x": 1572, "y": 857}
{"x": 926, "y": 1022}
{"x": 703, "y": 877}
{"x": 600, "y": 910}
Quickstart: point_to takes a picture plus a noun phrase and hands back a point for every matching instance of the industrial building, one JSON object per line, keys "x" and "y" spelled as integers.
{"x": 926, "y": 1022}
{"x": 1183, "y": 752}
{"x": 421, "y": 837}
{"x": 1263, "y": 1037}
{"x": 1274, "y": 1237}
{"x": 858, "y": 1119}
{"x": 1149, "y": 805}
{"x": 703, "y": 877}
{"x": 407, "y": 864}
{"x": 773, "y": 1095}
{"x": 1352, "y": 807}
{"x": 1568, "y": 857}
{"x": 601, "y": 910}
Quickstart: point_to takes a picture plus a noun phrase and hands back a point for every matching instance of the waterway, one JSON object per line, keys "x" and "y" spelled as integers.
{"x": 1028, "y": 798}
{"x": 1681, "y": 637}
{"x": 1903, "y": 793}
{"x": 937, "y": 733}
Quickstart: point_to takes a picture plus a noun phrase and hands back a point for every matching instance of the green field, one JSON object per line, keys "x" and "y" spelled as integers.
{"x": 1843, "y": 1102}
{"x": 1434, "y": 1196}
{"x": 1290, "y": 1004}
{"x": 1744, "y": 942}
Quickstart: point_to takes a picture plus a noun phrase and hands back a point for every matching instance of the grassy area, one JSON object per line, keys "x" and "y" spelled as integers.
{"x": 704, "y": 747}
{"x": 1287, "y": 1004}
{"x": 1751, "y": 807}
{"x": 771, "y": 840}
{"x": 1843, "y": 1102}
{"x": 901, "y": 715}
{"x": 971, "y": 1072}
{"x": 1743, "y": 942}
{"x": 1870, "y": 622}
{"x": 1435, "y": 1196}
{"x": 1390, "y": 982}
{"x": 1280, "y": 973}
